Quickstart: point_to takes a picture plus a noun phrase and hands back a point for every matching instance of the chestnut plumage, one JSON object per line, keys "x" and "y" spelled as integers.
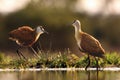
{"x": 91, "y": 45}
{"x": 25, "y": 35}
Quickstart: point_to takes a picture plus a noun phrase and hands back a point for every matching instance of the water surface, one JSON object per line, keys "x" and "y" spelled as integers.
{"x": 60, "y": 75}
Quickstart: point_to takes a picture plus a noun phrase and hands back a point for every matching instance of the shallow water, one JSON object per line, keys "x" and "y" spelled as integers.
{"x": 60, "y": 75}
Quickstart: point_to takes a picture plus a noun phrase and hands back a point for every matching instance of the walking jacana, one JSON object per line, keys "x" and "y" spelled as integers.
{"x": 87, "y": 43}
{"x": 25, "y": 36}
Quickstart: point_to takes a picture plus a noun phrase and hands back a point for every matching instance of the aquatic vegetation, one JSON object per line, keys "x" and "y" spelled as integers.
{"x": 112, "y": 59}
{"x": 58, "y": 60}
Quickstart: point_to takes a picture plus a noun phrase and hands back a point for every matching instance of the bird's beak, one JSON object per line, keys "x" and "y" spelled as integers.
{"x": 46, "y": 32}
{"x": 73, "y": 22}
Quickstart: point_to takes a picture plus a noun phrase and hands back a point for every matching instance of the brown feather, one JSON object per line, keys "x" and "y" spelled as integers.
{"x": 91, "y": 45}
{"x": 23, "y": 35}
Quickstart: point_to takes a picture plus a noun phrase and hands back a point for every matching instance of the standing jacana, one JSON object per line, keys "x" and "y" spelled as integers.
{"x": 87, "y": 43}
{"x": 25, "y": 36}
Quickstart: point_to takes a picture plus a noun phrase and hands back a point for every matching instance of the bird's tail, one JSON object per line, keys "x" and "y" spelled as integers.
{"x": 11, "y": 37}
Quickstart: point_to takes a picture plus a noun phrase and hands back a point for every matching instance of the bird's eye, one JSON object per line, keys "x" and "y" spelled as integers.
{"x": 74, "y": 21}
{"x": 42, "y": 29}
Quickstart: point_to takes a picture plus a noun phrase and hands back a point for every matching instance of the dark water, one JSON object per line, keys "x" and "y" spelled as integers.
{"x": 60, "y": 75}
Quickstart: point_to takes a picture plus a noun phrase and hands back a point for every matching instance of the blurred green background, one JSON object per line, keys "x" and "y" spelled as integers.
{"x": 100, "y": 18}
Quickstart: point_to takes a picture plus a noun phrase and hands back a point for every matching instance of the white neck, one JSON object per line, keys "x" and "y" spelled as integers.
{"x": 77, "y": 27}
{"x": 37, "y": 36}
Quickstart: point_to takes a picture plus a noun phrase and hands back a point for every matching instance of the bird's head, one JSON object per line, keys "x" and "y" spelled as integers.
{"x": 76, "y": 23}
{"x": 40, "y": 30}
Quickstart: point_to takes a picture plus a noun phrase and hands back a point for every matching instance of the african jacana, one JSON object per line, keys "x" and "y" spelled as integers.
{"x": 87, "y": 43}
{"x": 26, "y": 36}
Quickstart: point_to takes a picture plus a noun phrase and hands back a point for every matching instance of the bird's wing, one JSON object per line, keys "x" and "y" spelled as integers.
{"x": 90, "y": 44}
{"x": 26, "y": 28}
{"x": 14, "y": 34}
{"x": 21, "y": 34}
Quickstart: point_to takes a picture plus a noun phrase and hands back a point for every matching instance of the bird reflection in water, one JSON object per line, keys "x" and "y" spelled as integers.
{"x": 96, "y": 75}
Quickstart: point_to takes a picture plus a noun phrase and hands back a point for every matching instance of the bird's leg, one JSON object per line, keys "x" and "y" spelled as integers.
{"x": 97, "y": 74}
{"x": 88, "y": 58}
{"x": 97, "y": 64}
{"x": 20, "y": 54}
{"x": 88, "y": 72}
{"x": 35, "y": 52}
